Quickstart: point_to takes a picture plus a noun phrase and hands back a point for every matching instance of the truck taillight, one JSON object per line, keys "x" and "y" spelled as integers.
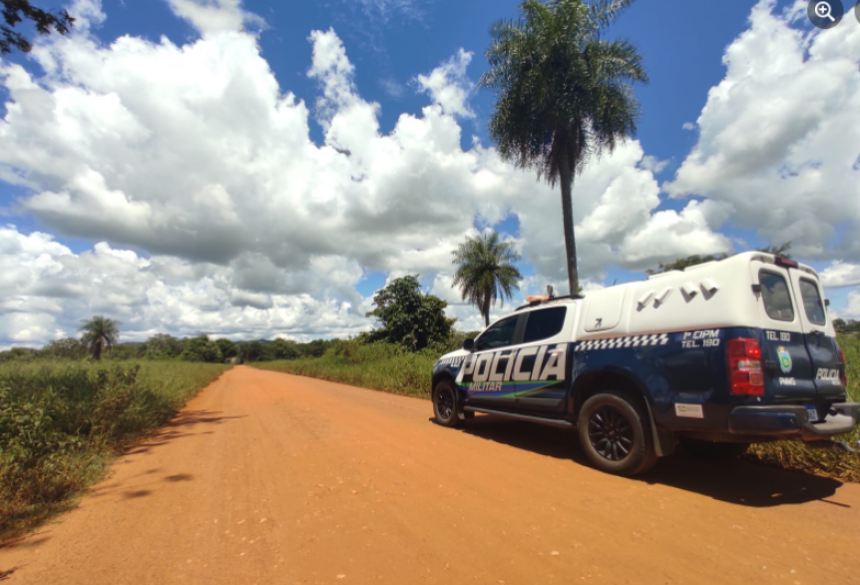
{"x": 745, "y": 375}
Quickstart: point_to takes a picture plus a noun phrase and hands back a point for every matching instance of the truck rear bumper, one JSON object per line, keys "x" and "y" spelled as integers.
{"x": 792, "y": 422}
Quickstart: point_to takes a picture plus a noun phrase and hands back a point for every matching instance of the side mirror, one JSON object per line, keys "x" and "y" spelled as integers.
{"x": 469, "y": 344}
{"x": 826, "y": 302}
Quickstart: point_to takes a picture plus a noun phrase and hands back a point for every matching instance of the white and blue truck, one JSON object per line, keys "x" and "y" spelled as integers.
{"x": 716, "y": 356}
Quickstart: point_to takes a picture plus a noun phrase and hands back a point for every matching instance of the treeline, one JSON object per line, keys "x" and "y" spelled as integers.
{"x": 847, "y": 326}
{"x": 167, "y": 347}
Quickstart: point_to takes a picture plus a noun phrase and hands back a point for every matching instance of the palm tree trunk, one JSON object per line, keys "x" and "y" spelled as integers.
{"x": 566, "y": 180}
{"x": 486, "y": 311}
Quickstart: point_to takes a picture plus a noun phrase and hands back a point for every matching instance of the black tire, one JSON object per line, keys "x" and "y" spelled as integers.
{"x": 446, "y": 406}
{"x": 712, "y": 450}
{"x": 615, "y": 434}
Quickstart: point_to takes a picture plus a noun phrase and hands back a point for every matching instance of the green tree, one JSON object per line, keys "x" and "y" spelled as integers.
{"x": 227, "y": 347}
{"x": 563, "y": 93}
{"x": 99, "y": 334}
{"x": 849, "y": 326}
{"x": 68, "y": 348}
{"x": 162, "y": 345}
{"x": 19, "y": 354}
{"x": 200, "y": 349}
{"x": 252, "y": 351}
{"x": 409, "y": 317}
{"x": 486, "y": 271}
{"x": 128, "y": 351}
{"x": 315, "y": 348}
{"x": 283, "y": 349}
{"x": 777, "y": 250}
{"x": 16, "y": 11}
{"x": 686, "y": 262}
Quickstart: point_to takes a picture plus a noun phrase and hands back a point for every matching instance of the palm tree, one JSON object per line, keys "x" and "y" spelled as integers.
{"x": 563, "y": 93}
{"x": 100, "y": 333}
{"x": 486, "y": 272}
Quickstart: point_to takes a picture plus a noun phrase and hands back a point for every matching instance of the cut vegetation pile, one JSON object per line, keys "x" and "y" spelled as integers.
{"x": 61, "y": 422}
{"x": 391, "y": 369}
{"x": 793, "y": 455}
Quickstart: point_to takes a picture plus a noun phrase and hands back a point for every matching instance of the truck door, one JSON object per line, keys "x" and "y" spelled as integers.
{"x": 483, "y": 375}
{"x": 818, "y": 334}
{"x": 789, "y": 373}
{"x": 542, "y": 368}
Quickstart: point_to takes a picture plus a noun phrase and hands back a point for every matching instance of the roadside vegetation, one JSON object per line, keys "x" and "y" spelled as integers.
{"x": 378, "y": 366}
{"x": 398, "y": 355}
{"x": 164, "y": 347}
{"x": 62, "y": 422}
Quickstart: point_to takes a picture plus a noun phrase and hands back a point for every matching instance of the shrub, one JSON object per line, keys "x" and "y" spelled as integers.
{"x": 61, "y": 421}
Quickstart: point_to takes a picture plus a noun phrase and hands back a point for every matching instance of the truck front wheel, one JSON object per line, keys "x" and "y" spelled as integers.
{"x": 446, "y": 407}
{"x": 615, "y": 434}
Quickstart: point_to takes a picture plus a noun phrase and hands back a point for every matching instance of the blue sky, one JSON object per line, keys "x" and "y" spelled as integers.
{"x": 390, "y": 42}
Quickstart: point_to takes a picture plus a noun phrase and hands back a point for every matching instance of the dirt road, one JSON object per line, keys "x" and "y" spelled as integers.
{"x": 269, "y": 478}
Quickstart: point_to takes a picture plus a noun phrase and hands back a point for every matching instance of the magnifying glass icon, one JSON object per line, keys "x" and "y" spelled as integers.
{"x": 822, "y": 9}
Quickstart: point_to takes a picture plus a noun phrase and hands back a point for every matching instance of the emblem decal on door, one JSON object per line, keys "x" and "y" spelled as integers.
{"x": 784, "y": 359}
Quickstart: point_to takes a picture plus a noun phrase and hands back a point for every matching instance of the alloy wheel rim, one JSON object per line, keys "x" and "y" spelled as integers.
{"x": 610, "y": 433}
{"x": 445, "y": 403}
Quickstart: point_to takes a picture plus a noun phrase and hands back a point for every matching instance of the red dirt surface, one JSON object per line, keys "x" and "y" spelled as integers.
{"x": 270, "y": 478}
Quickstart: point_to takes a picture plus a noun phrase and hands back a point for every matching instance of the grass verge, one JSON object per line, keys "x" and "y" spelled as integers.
{"x": 378, "y": 366}
{"x": 61, "y": 423}
{"x": 387, "y": 368}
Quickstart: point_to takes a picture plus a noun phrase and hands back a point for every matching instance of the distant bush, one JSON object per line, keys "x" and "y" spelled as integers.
{"x": 200, "y": 349}
{"x": 19, "y": 354}
{"x": 68, "y": 349}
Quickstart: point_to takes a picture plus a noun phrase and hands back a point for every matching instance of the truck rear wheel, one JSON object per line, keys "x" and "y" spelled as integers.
{"x": 446, "y": 406}
{"x": 615, "y": 434}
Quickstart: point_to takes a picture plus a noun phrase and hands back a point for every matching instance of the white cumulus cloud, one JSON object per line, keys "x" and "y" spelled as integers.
{"x": 779, "y": 140}
{"x": 840, "y": 274}
{"x": 449, "y": 86}
{"x": 212, "y": 210}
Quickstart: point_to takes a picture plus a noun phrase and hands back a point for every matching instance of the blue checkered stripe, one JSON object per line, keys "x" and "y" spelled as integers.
{"x": 627, "y": 341}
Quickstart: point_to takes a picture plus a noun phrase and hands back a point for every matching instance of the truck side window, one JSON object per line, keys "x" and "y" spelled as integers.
{"x": 812, "y": 302}
{"x": 544, "y": 323}
{"x": 774, "y": 293}
{"x": 499, "y": 335}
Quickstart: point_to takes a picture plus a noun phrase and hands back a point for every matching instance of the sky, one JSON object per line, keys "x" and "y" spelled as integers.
{"x": 258, "y": 169}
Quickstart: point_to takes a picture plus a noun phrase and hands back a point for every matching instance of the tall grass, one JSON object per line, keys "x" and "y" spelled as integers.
{"x": 379, "y": 366}
{"x": 388, "y": 368}
{"x": 795, "y": 455}
{"x": 61, "y": 423}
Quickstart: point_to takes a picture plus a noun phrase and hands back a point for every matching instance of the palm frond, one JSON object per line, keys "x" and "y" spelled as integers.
{"x": 486, "y": 273}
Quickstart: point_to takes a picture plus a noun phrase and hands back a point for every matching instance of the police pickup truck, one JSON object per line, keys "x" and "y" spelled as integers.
{"x": 719, "y": 355}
